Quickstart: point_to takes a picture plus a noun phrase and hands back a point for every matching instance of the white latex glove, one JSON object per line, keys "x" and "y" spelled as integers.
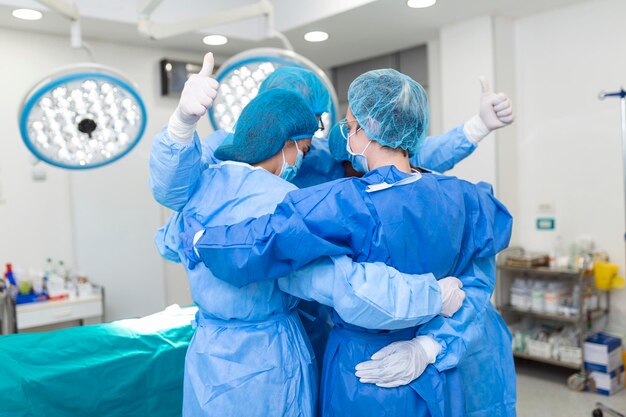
{"x": 196, "y": 238}
{"x": 197, "y": 96}
{"x": 452, "y": 295}
{"x": 399, "y": 363}
{"x": 495, "y": 111}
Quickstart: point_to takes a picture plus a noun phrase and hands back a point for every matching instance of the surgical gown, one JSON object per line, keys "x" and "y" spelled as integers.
{"x": 249, "y": 355}
{"x": 437, "y": 153}
{"x": 415, "y": 223}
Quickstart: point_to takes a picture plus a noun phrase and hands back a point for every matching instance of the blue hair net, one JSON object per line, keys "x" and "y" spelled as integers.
{"x": 301, "y": 81}
{"x": 391, "y": 108}
{"x": 265, "y": 124}
{"x": 337, "y": 143}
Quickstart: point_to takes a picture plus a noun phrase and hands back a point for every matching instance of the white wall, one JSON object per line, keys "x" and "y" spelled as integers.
{"x": 467, "y": 52}
{"x": 433, "y": 49}
{"x": 569, "y": 149}
{"x": 507, "y": 169}
{"x": 102, "y": 221}
{"x": 34, "y": 220}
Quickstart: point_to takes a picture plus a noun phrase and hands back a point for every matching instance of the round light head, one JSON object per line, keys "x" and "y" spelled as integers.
{"x": 420, "y": 4}
{"x": 83, "y": 116}
{"x": 241, "y": 76}
{"x": 215, "y": 40}
{"x": 316, "y": 36}
{"x": 27, "y": 14}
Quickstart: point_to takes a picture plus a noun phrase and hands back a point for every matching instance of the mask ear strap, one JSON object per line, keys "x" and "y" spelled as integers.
{"x": 367, "y": 146}
{"x": 283, "y": 152}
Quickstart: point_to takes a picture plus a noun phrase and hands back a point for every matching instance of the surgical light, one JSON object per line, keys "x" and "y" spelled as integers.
{"x": 241, "y": 76}
{"x": 27, "y": 14}
{"x": 420, "y": 4}
{"x": 215, "y": 40}
{"x": 316, "y": 36}
{"x": 84, "y": 116}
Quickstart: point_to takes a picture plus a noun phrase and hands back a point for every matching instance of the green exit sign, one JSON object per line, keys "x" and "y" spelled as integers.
{"x": 545, "y": 223}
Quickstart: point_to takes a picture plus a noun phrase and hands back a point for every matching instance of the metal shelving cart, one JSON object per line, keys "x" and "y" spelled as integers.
{"x": 583, "y": 320}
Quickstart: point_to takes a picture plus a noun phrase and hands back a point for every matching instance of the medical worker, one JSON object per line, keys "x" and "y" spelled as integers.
{"x": 437, "y": 153}
{"x": 414, "y": 221}
{"x": 249, "y": 355}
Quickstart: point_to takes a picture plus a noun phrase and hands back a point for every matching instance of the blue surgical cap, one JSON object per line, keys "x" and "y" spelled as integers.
{"x": 265, "y": 124}
{"x": 337, "y": 143}
{"x": 391, "y": 108}
{"x": 301, "y": 81}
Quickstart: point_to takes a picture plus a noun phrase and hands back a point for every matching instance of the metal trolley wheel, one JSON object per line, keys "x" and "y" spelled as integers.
{"x": 601, "y": 409}
{"x": 580, "y": 381}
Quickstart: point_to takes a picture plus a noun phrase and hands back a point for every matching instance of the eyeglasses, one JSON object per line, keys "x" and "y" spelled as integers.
{"x": 320, "y": 125}
{"x": 345, "y": 127}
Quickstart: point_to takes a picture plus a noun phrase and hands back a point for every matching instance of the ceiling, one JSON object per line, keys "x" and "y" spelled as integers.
{"x": 358, "y": 29}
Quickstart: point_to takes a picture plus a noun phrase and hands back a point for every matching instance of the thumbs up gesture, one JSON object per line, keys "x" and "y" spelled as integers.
{"x": 198, "y": 93}
{"x": 495, "y": 109}
{"x": 197, "y": 96}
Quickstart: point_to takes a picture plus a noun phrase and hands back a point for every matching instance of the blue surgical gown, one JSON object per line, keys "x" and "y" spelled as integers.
{"x": 249, "y": 355}
{"x": 437, "y": 153}
{"x": 437, "y": 223}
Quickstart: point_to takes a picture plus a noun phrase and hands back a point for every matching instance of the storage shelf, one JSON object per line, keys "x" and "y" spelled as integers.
{"x": 548, "y": 360}
{"x": 596, "y": 314}
{"x": 506, "y": 275}
{"x": 542, "y": 270}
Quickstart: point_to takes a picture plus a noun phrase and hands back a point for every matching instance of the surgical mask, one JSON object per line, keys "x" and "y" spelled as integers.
{"x": 288, "y": 172}
{"x": 358, "y": 160}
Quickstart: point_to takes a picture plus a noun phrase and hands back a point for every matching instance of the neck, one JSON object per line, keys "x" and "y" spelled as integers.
{"x": 385, "y": 157}
{"x": 272, "y": 165}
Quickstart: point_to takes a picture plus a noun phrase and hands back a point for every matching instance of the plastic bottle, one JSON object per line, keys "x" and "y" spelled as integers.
{"x": 36, "y": 277}
{"x": 49, "y": 267}
{"x": 537, "y": 297}
{"x": 520, "y": 294}
{"x": 575, "y": 301}
{"x": 557, "y": 252}
{"x": 552, "y": 297}
{"x": 62, "y": 271}
{"x": 9, "y": 275}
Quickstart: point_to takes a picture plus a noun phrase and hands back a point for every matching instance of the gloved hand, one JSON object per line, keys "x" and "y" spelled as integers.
{"x": 452, "y": 295}
{"x": 188, "y": 240}
{"x": 399, "y": 363}
{"x": 495, "y": 111}
{"x": 197, "y": 96}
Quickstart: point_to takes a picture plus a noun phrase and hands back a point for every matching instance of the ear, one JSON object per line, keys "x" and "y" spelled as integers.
{"x": 372, "y": 125}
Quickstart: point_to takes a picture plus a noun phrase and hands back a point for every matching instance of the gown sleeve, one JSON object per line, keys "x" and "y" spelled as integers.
{"x": 441, "y": 153}
{"x": 298, "y": 232}
{"x": 370, "y": 295}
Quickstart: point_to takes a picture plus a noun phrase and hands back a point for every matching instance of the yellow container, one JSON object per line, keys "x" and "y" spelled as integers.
{"x": 606, "y": 276}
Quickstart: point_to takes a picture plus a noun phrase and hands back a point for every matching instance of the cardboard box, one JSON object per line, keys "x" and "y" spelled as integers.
{"x": 603, "y": 353}
{"x": 608, "y": 384}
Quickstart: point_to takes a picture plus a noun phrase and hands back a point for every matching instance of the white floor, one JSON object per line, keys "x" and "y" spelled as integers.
{"x": 542, "y": 392}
